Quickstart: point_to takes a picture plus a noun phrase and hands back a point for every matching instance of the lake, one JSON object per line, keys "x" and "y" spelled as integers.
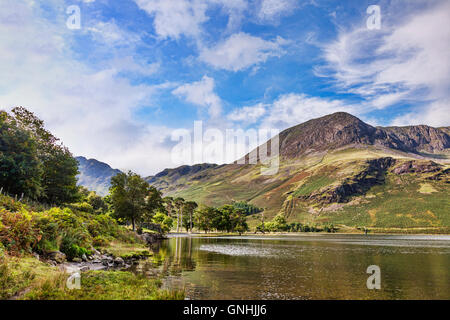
{"x": 318, "y": 266}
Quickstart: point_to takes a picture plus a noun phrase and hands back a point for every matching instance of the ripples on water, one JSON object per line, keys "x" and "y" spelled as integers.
{"x": 307, "y": 267}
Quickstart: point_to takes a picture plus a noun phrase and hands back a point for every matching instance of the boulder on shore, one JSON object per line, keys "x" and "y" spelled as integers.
{"x": 150, "y": 238}
{"x": 57, "y": 256}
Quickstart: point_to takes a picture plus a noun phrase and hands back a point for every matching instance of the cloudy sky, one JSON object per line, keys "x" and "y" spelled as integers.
{"x": 137, "y": 70}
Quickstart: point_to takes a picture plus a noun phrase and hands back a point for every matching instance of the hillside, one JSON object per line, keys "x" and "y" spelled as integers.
{"x": 336, "y": 169}
{"x": 95, "y": 175}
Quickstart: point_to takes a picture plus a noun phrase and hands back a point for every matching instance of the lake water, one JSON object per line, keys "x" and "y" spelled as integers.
{"x": 304, "y": 266}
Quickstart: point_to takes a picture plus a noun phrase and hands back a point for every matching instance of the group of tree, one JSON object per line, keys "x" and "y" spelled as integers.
{"x": 182, "y": 211}
{"x": 226, "y": 218}
{"x": 133, "y": 199}
{"x": 279, "y": 224}
{"x": 247, "y": 208}
{"x": 33, "y": 162}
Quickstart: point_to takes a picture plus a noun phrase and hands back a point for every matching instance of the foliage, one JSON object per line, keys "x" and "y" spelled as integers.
{"x": 247, "y": 208}
{"x": 203, "y": 218}
{"x": 59, "y": 167}
{"x": 164, "y": 221}
{"x": 28, "y": 278}
{"x": 97, "y": 203}
{"x": 70, "y": 231}
{"x": 20, "y": 168}
{"x": 17, "y": 232}
{"x": 226, "y": 218}
{"x": 188, "y": 218}
{"x": 133, "y": 199}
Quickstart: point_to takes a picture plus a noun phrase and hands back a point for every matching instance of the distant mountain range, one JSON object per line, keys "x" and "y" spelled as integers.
{"x": 334, "y": 169}
{"x": 95, "y": 175}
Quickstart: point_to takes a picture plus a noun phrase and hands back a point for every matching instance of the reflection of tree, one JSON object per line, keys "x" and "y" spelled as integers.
{"x": 174, "y": 256}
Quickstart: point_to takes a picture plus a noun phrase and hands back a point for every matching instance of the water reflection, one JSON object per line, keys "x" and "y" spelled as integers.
{"x": 305, "y": 267}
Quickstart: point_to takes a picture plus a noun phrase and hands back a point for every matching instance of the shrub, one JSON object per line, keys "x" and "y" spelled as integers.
{"x": 82, "y": 206}
{"x": 17, "y": 232}
{"x": 100, "y": 241}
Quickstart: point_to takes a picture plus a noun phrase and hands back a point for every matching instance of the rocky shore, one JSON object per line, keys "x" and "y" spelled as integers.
{"x": 100, "y": 259}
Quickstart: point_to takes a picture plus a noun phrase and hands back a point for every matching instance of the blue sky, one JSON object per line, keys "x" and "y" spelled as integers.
{"x": 137, "y": 70}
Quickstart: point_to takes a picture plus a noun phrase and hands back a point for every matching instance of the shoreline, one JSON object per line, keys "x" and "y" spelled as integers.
{"x": 222, "y": 234}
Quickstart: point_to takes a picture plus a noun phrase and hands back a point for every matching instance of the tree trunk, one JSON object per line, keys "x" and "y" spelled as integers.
{"x": 132, "y": 222}
{"x": 181, "y": 219}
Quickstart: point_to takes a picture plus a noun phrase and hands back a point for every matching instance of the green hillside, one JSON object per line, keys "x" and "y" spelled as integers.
{"x": 354, "y": 187}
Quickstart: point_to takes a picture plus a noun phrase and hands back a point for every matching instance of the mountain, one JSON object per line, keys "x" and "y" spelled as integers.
{"x": 342, "y": 129}
{"x": 335, "y": 169}
{"x": 95, "y": 175}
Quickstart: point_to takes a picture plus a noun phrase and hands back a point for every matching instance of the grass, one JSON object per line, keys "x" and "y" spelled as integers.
{"x": 313, "y": 184}
{"x": 103, "y": 285}
{"x": 27, "y": 278}
{"x": 392, "y": 205}
{"x": 426, "y": 188}
{"x": 125, "y": 250}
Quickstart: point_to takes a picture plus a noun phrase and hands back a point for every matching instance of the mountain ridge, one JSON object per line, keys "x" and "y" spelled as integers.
{"x": 335, "y": 169}
{"x": 95, "y": 175}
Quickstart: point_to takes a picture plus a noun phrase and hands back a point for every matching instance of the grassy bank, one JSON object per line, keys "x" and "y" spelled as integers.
{"x": 27, "y": 278}
{"x": 74, "y": 232}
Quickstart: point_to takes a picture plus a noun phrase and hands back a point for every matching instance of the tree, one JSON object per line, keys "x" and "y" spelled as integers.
{"x": 189, "y": 208}
{"x": 128, "y": 197}
{"x": 59, "y": 178}
{"x": 20, "y": 168}
{"x": 179, "y": 203}
{"x": 240, "y": 222}
{"x": 153, "y": 203}
{"x": 204, "y": 217}
{"x": 164, "y": 221}
{"x": 169, "y": 205}
{"x": 230, "y": 219}
{"x": 59, "y": 167}
{"x": 97, "y": 202}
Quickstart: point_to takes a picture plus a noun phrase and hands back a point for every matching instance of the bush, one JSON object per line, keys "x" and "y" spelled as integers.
{"x": 2, "y": 251}
{"x": 17, "y": 232}
{"x": 82, "y": 206}
{"x": 100, "y": 241}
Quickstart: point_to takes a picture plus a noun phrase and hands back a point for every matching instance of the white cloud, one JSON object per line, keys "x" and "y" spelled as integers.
{"x": 436, "y": 114}
{"x": 185, "y": 17}
{"x": 201, "y": 93}
{"x": 111, "y": 34}
{"x": 292, "y": 109}
{"x": 175, "y": 17}
{"x": 272, "y": 9}
{"x": 248, "y": 114}
{"x": 91, "y": 110}
{"x": 404, "y": 61}
{"x": 241, "y": 51}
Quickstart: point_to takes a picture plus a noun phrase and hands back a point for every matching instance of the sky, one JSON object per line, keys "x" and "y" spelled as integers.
{"x": 118, "y": 86}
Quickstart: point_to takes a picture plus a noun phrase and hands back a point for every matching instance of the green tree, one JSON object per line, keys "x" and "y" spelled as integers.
{"x": 20, "y": 168}
{"x": 60, "y": 168}
{"x": 97, "y": 202}
{"x": 189, "y": 208}
{"x": 240, "y": 222}
{"x": 128, "y": 197}
{"x": 168, "y": 205}
{"x": 164, "y": 221}
{"x": 179, "y": 204}
{"x": 204, "y": 217}
{"x": 153, "y": 203}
